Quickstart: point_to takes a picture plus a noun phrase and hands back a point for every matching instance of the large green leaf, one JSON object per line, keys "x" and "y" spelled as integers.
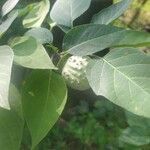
{"x": 7, "y": 23}
{"x": 44, "y": 97}
{"x": 123, "y": 77}
{"x": 37, "y": 14}
{"x": 42, "y": 35}
{"x": 15, "y": 100}
{"x": 23, "y": 46}
{"x": 11, "y": 128}
{"x": 8, "y": 6}
{"x": 64, "y": 12}
{"x": 111, "y": 13}
{"x": 88, "y": 39}
{"x": 30, "y": 54}
{"x": 6, "y": 59}
{"x": 84, "y": 33}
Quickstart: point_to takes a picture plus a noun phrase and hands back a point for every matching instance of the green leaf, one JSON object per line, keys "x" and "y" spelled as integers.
{"x": 44, "y": 98}
{"x": 15, "y": 101}
{"x": 123, "y": 77}
{"x": 84, "y": 33}
{"x": 30, "y": 54}
{"x": 111, "y": 13}
{"x": 138, "y": 132}
{"x": 42, "y": 35}
{"x": 135, "y": 136}
{"x": 134, "y": 120}
{"x": 6, "y": 59}
{"x": 8, "y": 6}
{"x": 39, "y": 59}
{"x": 4, "y": 26}
{"x": 64, "y": 12}
{"x": 11, "y": 128}
{"x": 23, "y": 46}
{"x": 37, "y": 14}
{"x": 89, "y": 39}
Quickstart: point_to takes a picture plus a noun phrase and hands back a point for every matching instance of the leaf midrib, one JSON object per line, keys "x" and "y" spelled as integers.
{"x": 44, "y": 108}
{"x": 125, "y": 76}
{"x": 85, "y": 42}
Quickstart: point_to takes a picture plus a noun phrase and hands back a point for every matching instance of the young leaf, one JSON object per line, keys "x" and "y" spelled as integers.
{"x": 37, "y": 15}
{"x": 111, "y": 13}
{"x": 44, "y": 97}
{"x": 64, "y": 12}
{"x": 89, "y": 39}
{"x": 6, "y": 59}
{"x": 7, "y": 23}
{"x": 8, "y": 6}
{"x": 11, "y": 128}
{"x": 123, "y": 77}
{"x": 39, "y": 59}
{"x": 42, "y": 35}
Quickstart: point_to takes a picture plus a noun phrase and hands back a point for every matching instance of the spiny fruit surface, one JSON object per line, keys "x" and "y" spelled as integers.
{"x": 74, "y": 72}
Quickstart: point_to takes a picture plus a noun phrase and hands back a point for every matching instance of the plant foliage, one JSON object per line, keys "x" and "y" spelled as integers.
{"x": 37, "y": 38}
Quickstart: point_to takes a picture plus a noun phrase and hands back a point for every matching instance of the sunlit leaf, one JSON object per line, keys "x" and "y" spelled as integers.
{"x": 8, "y": 6}
{"x": 123, "y": 77}
{"x": 6, "y": 59}
{"x": 23, "y": 46}
{"x": 4, "y": 26}
{"x": 39, "y": 59}
{"x": 37, "y": 14}
{"x": 64, "y": 12}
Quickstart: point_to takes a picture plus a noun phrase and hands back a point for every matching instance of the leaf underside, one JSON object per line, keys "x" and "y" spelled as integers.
{"x": 88, "y": 39}
{"x": 123, "y": 77}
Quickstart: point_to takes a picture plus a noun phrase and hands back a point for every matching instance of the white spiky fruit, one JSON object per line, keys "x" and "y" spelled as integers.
{"x": 74, "y": 72}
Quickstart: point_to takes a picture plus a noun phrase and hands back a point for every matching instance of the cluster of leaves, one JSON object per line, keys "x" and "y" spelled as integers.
{"x": 122, "y": 75}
